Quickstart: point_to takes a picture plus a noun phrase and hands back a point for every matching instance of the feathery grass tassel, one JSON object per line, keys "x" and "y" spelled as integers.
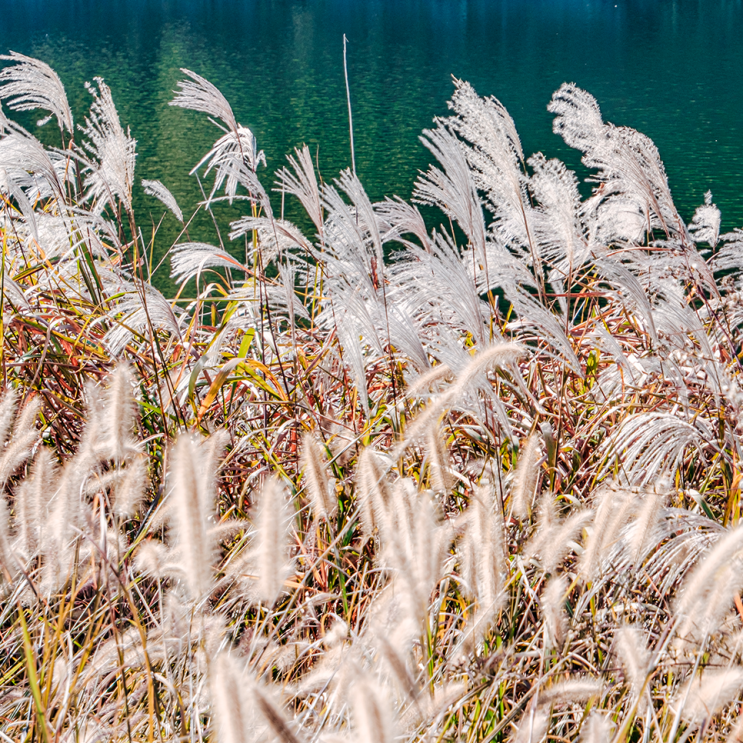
{"x": 613, "y": 510}
{"x": 598, "y": 728}
{"x": 705, "y": 695}
{"x": 708, "y": 591}
{"x": 553, "y": 611}
{"x": 233, "y": 713}
{"x": 438, "y": 461}
{"x": 190, "y": 511}
{"x": 631, "y": 648}
{"x": 270, "y": 554}
{"x": 372, "y": 492}
{"x": 372, "y": 716}
{"x": 320, "y": 485}
{"x": 120, "y": 410}
{"x": 19, "y": 445}
{"x": 32, "y": 503}
{"x": 527, "y": 477}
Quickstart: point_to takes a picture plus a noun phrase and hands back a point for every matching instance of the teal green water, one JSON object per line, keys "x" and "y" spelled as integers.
{"x": 671, "y": 68}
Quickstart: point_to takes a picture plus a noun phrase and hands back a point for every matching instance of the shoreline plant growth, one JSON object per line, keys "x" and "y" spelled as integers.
{"x": 481, "y": 487}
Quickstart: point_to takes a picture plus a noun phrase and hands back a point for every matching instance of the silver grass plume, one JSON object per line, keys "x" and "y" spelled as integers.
{"x": 705, "y": 225}
{"x": 303, "y": 184}
{"x": 533, "y": 727}
{"x": 645, "y": 521}
{"x": 372, "y": 491}
{"x": 234, "y": 710}
{"x": 113, "y": 151}
{"x": 503, "y": 355}
{"x": 526, "y": 477}
{"x": 438, "y": 461}
{"x": 706, "y": 694}
{"x": 162, "y": 194}
{"x": 120, "y": 413}
{"x": 270, "y": 553}
{"x": 372, "y": 716}
{"x": 553, "y": 611}
{"x": 631, "y": 648}
{"x": 18, "y": 446}
{"x": 198, "y": 94}
{"x": 598, "y": 728}
{"x": 613, "y": 510}
{"x": 319, "y": 484}
{"x": 708, "y": 591}
{"x": 32, "y": 503}
{"x": 191, "y": 511}
{"x": 32, "y": 84}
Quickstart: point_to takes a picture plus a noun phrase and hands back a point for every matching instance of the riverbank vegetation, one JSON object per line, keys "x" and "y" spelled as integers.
{"x": 378, "y": 482}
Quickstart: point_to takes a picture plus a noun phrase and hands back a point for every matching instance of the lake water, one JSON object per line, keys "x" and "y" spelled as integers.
{"x": 670, "y": 68}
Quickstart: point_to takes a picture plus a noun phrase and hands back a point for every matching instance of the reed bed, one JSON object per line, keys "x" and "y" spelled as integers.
{"x": 377, "y": 483}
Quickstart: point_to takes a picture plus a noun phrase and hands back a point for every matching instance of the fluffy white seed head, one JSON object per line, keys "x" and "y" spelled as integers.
{"x": 526, "y": 478}
{"x": 120, "y": 413}
{"x": 271, "y": 550}
{"x": 231, "y": 700}
{"x": 373, "y": 719}
{"x": 372, "y": 491}
{"x": 191, "y": 514}
{"x": 553, "y": 611}
{"x": 706, "y": 694}
{"x": 320, "y": 485}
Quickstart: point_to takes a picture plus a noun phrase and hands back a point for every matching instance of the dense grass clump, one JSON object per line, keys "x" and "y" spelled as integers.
{"x": 486, "y": 490}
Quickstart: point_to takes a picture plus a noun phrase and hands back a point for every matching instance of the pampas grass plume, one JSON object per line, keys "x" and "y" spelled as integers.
{"x": 553, "y": 611}
{"x": 372, "y": 716}
{"x": 270, "y": 553}
{"x": 131, "y": 489}
{"x": 19, "y": 445}
{"x": 372, "y": 491}
{"x": 32, "y": 502}
{"x": 190, "y": 511}
{"x": 598, "y": 728}
{"x": 707, "y": 694}
{"x": 320, "y": 486}
{"x": 120, "y": 410}
{"x": 233, "y": 713}
{"x": 526, "y": 478}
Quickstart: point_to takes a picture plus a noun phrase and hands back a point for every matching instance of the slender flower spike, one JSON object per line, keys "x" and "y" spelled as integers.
{"x": 320, "y": 486}
{"x": 191, "y": 512}
{"x": 272, "y": 542}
